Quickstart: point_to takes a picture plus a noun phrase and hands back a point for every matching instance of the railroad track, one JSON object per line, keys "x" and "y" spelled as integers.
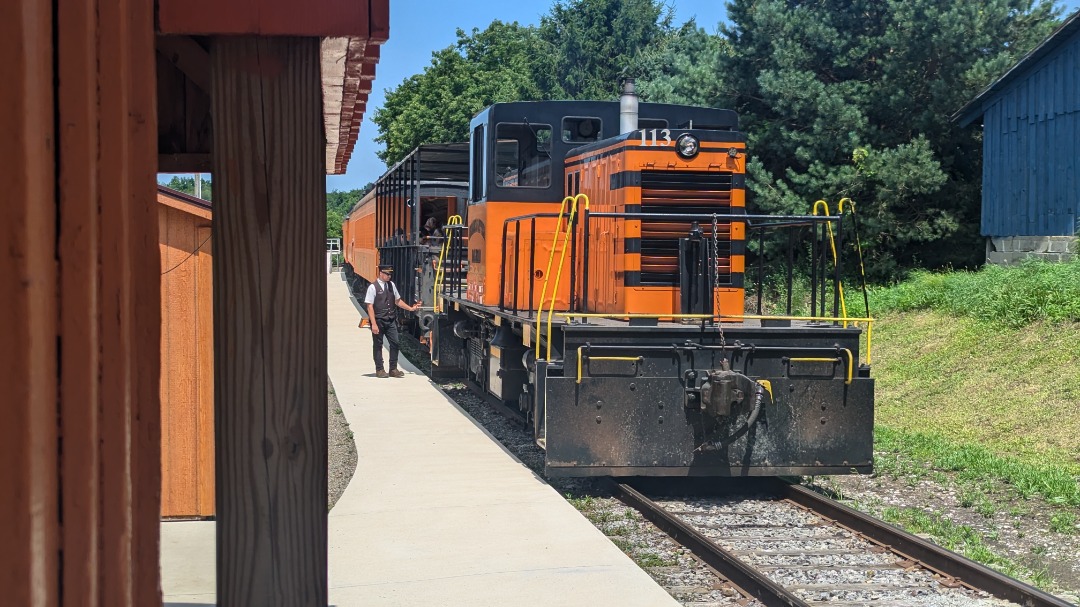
{"x": 782, "y": 544}
{"x": 785, "y": 545}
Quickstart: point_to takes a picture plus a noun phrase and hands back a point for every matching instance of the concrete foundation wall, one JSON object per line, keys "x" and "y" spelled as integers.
{"x": 1006, "y": 250}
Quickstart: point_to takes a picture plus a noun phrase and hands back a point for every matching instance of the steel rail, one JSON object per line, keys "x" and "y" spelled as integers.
{"x": 750, "y": 582}
{"x": 929, "y": 555}
{"x": 954, "y": 568}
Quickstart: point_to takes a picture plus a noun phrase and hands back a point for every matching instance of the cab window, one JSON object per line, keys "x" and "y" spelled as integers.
{"x": 523, "y": 155}
{"x": 477, "y": 181}
{"x": 581, "y": 129}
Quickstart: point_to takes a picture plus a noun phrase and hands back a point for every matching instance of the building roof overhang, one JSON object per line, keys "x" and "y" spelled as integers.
{"x": 351, "y": 33}
{"x": 184, "y": 202}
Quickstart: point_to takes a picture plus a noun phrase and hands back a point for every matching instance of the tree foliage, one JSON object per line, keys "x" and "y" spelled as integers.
{"x": 187, "y": 186}
{"x": 595, "y": 42}
{"x": 686, "y": 67}
{"x": 504, "y": 62}
{"x": 578, "y": 52}
{"x": 839, "y": 98}
{"x": 338, "y": 205}
{"x": 853, "y": 98}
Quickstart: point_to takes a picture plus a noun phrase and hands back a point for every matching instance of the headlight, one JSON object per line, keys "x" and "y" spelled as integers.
{"x": 687, "y": 146}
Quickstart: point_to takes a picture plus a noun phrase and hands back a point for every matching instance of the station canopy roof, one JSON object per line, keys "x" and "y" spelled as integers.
{"x": 351, "y": 34}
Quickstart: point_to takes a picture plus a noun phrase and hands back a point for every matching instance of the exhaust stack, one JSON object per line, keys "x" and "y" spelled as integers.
{"x": 628, "y": 107}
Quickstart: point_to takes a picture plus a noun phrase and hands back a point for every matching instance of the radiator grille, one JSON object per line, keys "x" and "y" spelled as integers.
{"x": 682, "y": 193}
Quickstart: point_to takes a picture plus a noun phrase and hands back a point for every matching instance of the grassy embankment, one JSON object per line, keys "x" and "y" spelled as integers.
{"x": 979, "y": 373}
{"x": 978, "y": 381}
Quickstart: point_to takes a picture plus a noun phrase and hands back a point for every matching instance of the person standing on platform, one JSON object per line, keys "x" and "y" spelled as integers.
{"x": 381, "y": 298}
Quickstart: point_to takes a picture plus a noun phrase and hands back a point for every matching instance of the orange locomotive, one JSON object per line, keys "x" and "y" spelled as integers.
{"x": 595, "y": 281}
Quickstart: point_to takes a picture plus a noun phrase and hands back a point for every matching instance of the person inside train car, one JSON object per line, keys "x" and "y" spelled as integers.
{"x": 381, "y": 298}
{"x": 433, "y": 233}
{"x": 398, "y": 239}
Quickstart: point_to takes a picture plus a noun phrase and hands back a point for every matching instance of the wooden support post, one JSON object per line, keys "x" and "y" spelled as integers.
{"x": 79, "y": 274}
{"x": 269, "y": 321}
{"x": 29, "y": 565}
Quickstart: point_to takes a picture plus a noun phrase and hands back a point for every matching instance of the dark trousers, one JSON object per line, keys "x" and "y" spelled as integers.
{"x": 387, "y": 328}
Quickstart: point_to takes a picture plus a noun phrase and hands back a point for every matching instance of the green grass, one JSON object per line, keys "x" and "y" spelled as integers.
{"x": 978, "y": 375}
{"x": 961, "y": 539}
{"x": 1063, "y": 522}
{"x": 966, "y": 382}
{"x": 651, "y": 559}
{"x": 1009, "y": 297}
{"x": 1055, "y": 484}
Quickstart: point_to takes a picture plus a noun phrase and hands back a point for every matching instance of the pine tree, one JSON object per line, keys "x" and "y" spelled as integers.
{"x": 854, "y": 98}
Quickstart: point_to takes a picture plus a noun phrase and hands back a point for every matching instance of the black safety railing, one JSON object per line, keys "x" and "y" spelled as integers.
{"x": 515, "y": 272}
{"x": 826, "y": 248}
{"x": 455, "y": 264}
{"x": 407, "y": 260}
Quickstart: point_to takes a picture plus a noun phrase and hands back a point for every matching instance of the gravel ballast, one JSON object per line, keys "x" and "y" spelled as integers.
{"x": 341, "y": 460}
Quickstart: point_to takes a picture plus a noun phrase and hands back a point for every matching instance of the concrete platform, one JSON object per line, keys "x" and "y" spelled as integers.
{"x": 437, "y": 513}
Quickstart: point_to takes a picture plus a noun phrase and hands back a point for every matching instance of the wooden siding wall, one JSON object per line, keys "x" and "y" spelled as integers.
{"x": 29, "y": 571}
{"x": 1031, "y": 150}
{"x": 187, "y": 365}
{"x": 79, "y": 273}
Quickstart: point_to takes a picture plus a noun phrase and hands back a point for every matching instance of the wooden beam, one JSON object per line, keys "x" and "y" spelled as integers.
{"x": 188, "y": 57}
{"x": 79, "y": 275}
{"x": 29, "y": 568}
{"x": 80, "y": 307}
{"x": 269, "y": 321}
{"x": 129, "y": 305}
{"x": 320, "y": 18}
{"x": 184, "y": 163}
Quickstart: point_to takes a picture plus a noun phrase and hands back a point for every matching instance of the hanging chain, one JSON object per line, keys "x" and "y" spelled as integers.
{"x": 715, "y": 280}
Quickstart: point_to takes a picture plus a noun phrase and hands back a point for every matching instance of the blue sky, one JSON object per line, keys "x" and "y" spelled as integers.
{"x": 420, "y": 27}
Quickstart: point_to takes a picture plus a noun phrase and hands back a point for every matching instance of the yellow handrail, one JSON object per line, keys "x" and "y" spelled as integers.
{"x": 547, "y": 272}
{"x": 440, "y": 271}
{"x": 562, "y": 262}
{"x": 573, "y": 202}
{"x": 836, "y": 260}
{"x": 616, "y": 316}
{"x": 850, "y": 362}
{"x": 615, "y": 358}
{"x": 858, "y": 248}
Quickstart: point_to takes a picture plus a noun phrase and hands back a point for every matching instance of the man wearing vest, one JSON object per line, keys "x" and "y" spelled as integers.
{"x": 381, "y": 298}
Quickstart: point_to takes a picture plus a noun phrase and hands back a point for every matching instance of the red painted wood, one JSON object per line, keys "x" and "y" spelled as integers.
{"x": 29, "y": 573}
{"x": 380, "y": 21}
{"x": 319, "y": 18}
{"x": 80, "y": 275}
{"x": 79, "y": 306}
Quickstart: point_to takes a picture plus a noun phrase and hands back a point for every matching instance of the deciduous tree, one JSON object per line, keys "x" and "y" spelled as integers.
{"x": 504, "y": 62}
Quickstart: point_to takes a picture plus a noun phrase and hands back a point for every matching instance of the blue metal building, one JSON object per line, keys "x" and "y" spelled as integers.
{"x": 1031, "y": 141}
